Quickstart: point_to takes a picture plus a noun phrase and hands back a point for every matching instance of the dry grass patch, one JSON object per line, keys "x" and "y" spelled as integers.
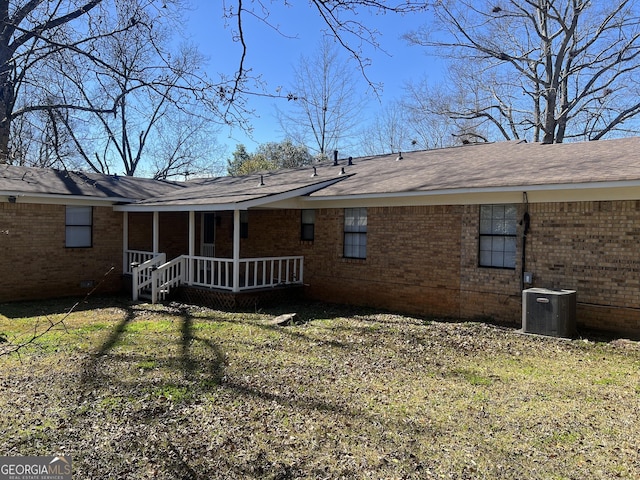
{"x": 141, "y": 391}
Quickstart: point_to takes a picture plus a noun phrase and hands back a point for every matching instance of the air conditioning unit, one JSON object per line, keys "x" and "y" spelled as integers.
{"x": 549, "y": 312}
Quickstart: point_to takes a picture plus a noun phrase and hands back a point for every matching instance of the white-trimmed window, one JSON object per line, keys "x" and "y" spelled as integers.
{"x": 355, "y": 232}
{"x": 307, "y": 225}
{"x": 498, "y": 227}
{"x": 78, "y": 226}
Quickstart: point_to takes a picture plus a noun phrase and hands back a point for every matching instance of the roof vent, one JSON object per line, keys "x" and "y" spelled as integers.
{"x": 342, "y": 172}
{"x": 399, "y": 157}
{"x": 315, "y": 172}
{"x": 261, "y": 184}
{"x": 350, "y": 161}
{"x": 335, "y": 157}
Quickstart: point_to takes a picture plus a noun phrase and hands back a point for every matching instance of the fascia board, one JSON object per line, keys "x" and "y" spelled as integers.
{"x": 624, "y": 190}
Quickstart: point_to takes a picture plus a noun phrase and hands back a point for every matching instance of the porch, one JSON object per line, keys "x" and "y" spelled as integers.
{"x": 228, "y": 280}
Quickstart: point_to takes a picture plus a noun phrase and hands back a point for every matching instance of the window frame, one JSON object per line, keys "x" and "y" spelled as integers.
{"x": 72, "y": 225}
{"x": 307, "y": 228}
{"x": 502, "y": 233}
{"x": 354, "y": 244}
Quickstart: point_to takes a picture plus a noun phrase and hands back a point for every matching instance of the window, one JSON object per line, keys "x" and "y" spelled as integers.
{"x": 355, "y": 232}
{"x": 78, "y": 226}
{"x": 307, "y": 221}
{"x": 498, "y": 225}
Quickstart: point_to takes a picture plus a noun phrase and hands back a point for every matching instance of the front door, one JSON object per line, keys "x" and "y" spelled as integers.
{"x": 208, "y": 235}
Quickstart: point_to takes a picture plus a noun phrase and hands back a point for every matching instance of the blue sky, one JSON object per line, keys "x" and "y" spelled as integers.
{"x": 273, "y": 56}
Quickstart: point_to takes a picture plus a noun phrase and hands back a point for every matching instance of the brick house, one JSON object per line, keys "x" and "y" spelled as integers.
{"x": 445, "y": 232}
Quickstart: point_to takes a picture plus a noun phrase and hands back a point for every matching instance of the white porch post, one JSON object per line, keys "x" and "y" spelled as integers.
{"x": 236, "y": 250}
{"x": 156, "y": 232}
{"x": 192, "y": 244}
{"x": 125, "y": 242}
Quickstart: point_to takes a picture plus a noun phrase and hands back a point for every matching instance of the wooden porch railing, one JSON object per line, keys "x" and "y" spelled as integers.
{"x": 142, "y": 275}
{"x": 137, "y": 257}
{"x": 159, "y": 278}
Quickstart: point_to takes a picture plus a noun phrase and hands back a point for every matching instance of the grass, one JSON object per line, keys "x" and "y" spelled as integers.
{"x": 146, "y": 391}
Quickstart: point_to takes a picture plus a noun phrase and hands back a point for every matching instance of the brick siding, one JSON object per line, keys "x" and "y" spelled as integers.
{"x": 424, "y": 260}
{"x": 35, "y": 262}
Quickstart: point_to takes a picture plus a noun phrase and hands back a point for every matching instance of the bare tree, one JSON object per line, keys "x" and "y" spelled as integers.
{"x": 548, "y": 69}
{"x": 389, "y": 132}
{"x": 158, "y": 120}
{"x": 34, "y": 35}
{"x": 326, "y": 105}
{"x": 341, "y": 21}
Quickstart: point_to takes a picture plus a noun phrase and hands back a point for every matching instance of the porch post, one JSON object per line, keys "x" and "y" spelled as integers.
{"x": 156, "y": 232}
{"x": 236, "y": 250}
{"x": 192, "y": 244}
{"x": 125, "y": 242}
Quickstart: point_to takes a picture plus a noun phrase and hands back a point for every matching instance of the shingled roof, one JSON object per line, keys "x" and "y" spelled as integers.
{"x": 478, "y": 167}
{"x": 17, "y": 180}
{"x": 484, "y": 167}
{"x": 493, "y": 166}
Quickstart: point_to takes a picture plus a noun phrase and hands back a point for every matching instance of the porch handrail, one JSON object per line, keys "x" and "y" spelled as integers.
{"x": 142, "y": 275}
{"x": 209, "y": 272}
{"x": 259, "y": 272}
{"x": 166, "y": 276}
{"x": 137, "y": 256}
{"x": 271, "y": 271}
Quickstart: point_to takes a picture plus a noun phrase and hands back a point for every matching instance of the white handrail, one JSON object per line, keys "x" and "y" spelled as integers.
{"x": 142, "y": 275}
{"x": 261, "y": 272}
{"x": 137, "y": 256}
{"x": 217, "y": 273}
{"x": 166, "y": 276}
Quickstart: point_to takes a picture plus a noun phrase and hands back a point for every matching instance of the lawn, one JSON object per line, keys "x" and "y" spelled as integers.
{"x": 135, "y": 391}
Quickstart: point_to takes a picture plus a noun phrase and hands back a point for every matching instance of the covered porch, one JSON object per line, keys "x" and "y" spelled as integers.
{"x": 230, "y": 235}
{"x": 155, "y": 275}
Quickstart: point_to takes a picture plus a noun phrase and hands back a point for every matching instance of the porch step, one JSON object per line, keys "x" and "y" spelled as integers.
{"x": 146, "y": 294}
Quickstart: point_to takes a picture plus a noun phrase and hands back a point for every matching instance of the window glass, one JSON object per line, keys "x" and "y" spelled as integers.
{"x": 307, "y": 220}
{"x": 78, "y": 226}
{"x": 355, "y": 232}
{"x": 498, "y": 228}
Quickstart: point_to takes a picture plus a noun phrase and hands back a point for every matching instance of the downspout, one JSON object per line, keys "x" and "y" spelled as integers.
{"x": 525, "y": 222}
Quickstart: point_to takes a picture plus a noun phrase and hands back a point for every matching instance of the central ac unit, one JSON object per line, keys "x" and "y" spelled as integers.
{"x": 549, "y": 312}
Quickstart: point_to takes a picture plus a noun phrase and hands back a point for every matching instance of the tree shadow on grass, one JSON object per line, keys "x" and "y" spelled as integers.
{"x": 210, "y": 365}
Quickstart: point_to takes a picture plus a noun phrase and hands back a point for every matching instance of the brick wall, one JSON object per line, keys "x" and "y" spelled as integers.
{"x": 35, "y": 262}
{"x": 487, "y": 292}
{"x": 590, "y": 247}
{"x": 424, "y": 260}
{"x": 593, "y": 248}
{"x": 412, "y": 264}
{"x": 173, "y": 232}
